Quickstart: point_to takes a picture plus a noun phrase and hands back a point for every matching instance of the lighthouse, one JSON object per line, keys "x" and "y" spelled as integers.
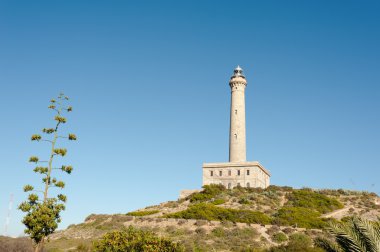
{"x": 237, "y": 116}
{"x": 238, "y": 171}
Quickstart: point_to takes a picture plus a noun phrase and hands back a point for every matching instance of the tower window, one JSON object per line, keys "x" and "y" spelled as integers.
{"x": 235, "y": 111}
{"x": 248, "y": 185}
{"x": 229, "y": 172}
{"x": 247, "y": 172}
{"x": 211, "y": 173}
{"x": 220, "y": 173}
{"x": 238, "y": 172}
{"x": 235, "y": 136}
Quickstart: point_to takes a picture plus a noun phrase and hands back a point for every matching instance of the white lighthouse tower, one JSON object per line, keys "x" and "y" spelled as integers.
{"x": 237, "y": 118}
{"x": 237, "y": 172}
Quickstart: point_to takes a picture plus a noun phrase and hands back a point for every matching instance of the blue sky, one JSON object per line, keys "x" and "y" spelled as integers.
{"x": 148, "y": 81}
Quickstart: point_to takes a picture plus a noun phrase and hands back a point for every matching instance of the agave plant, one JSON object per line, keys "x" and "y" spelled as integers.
{"x": 356, "y": 235}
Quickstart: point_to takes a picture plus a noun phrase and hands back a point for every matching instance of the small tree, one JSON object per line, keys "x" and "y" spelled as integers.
{"x": 43, "y": 214}
{"x": 136, "y": 240}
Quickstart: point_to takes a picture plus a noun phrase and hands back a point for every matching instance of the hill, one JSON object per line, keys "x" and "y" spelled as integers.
{"x": 241, "y": 219}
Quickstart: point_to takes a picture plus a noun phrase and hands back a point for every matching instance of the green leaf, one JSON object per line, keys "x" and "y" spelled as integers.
{"x": 28, "y": 188}
{"x": 67, "y": 169}
{"x": 72, "y": 137}
{"x": 25, "y": 207}
{"x": 36, "y": 137}
{"x": 60, "y": 184}
{"x": 48, "y": 131}
{"x": 45, "y": 179}
{"x": 60, "y": 119}
{"x": 62, "y": 197}
{"x": 33, "y": 159}
{"x": 41, "y": 169}
{"x": 61, "y": 152}
{"x": 33, "y": 198}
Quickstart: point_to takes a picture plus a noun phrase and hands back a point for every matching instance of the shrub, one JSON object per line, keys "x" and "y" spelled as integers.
{"x": 288, "y": 230}
{"x": 243, "y": 201}
{"x": 204, "y": 211}
{"x": 297, "y": 243}
{"x": 200, "y": 231}
{"x": 171, "y": 204}
{"x": 218, "y": 201}
{"x": 219, "y": 232}
{"x": 279, "y": 237}
{"x": 299, "y": 216}
{"x": 208, "y": 192}
{"x": 134, "y": 240}
{"x": 143, "y": 213}
{"x": 313, "y": 200}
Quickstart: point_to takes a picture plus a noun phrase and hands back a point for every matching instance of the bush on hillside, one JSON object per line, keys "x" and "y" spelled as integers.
{"x": 313, "y": 200}
{"x": 142, "y": 213}
{"x": 218, "y": 201}
{"x": 297, "y": 243}
{"x": 279, "y": 188}
{"x": 279, "y": 237}
{"x": 300, "y": 217}
{"x": 209, "y": 192}
{"x": 132, "y": 239}
{"x": 243, "y": 201}
{"x": 205, "y": 211}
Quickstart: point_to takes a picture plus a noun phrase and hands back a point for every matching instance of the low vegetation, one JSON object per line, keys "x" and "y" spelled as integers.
{"x": 132, "y": 239}
{"x": 16, "y": 244}
{"x": 209, "y": 192}
{"x": 143, "y": 213}
{"x": 306, "y": 198}
{"x": 211, "y": 220}
{"x": 279, "y": 237}
{"x": 297, "y": 243}
{"x": 206, "y": 211}
{"x": 299, "y": 217}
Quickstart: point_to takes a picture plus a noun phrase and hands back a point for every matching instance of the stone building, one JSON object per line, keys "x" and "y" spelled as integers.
{"x": 237, "y": 172}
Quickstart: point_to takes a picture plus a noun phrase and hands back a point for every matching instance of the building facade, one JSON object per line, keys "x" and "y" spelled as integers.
{"x": 237, "y": 172}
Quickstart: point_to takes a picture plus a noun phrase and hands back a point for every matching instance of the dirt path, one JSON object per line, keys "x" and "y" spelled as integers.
{"x": 338, "y": 214}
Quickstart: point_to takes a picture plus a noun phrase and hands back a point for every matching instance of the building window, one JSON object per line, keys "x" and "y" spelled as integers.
{"x": 229, "y": 185}
{"x": 211, "y": 173}
{"x": 235, "y": 111}
{"x": 229, "y": 172}
{"x": 235, "y": 136}
{"x": 238, "y": 172}
{"x": 220, "y": 173}
{"x": 248, "y": 185}
{"x": 247, "y": 172}
{"x": 238, "y": 184}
